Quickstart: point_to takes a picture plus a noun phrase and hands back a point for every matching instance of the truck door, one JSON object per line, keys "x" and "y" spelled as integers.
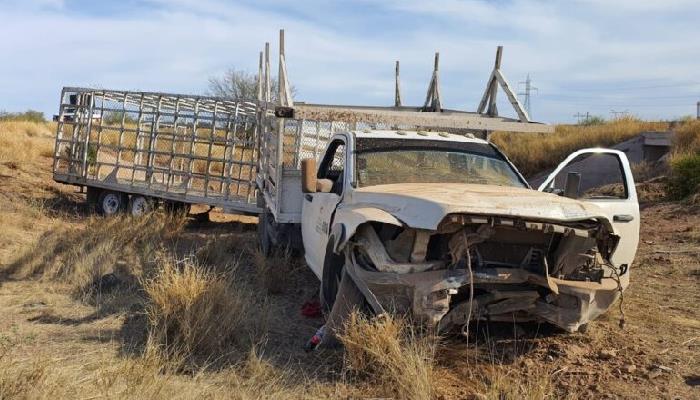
{"x": 605, "y": 179}
{"x": 318, "y": 208}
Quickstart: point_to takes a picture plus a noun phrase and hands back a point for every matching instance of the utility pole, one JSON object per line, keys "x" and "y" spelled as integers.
{"x": 397, "y": 88}
{"x": 528, "y": 89}
{"x": 698, "y": 112}
{"x": 585, "y": 117}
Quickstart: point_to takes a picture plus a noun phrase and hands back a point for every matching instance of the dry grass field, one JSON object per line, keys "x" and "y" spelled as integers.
{"x": 174, "y": 307}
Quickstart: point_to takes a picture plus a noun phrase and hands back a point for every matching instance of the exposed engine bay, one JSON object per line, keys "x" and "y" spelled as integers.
{"x": 489, "y": 268}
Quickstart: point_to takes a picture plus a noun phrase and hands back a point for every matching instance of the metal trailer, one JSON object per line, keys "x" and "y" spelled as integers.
{"x": 241, "y": 155}
{"x": 177, "y": 148}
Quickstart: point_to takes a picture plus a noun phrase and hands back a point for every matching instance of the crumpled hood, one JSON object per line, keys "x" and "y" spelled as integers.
{"x": 424, "y": 205}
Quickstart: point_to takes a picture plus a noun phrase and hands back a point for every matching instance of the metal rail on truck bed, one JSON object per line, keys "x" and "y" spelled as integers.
{"x": 184, "y": 148}
{"x": 301, "y": 130}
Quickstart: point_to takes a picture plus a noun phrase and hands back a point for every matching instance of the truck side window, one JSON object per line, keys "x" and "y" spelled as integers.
{"x": 602, "y": 176}
{"x": 333, "y": 165}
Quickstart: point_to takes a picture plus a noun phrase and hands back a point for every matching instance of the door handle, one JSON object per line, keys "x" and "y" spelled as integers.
{"x": 309, "y": 197}
{"x": 622, "y": 218}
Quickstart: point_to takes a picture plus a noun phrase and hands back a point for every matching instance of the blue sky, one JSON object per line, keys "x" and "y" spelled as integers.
{"x": 583, "y": 55}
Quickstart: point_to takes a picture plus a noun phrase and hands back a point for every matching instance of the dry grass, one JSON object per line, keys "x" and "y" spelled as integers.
{"x": 684, "y": 181}
{"x": 145, "y": 378}
{"x": 499, "y": 382}
{"x": 81, "y": 256}
{"x": 388, "y": 352}
{"x": 21, "y": 142}
{"x": 195, "y": 311}
{"x": 271, "y": 271}
{"x": 534, "y": 153}
{"x": 687, "y": 138}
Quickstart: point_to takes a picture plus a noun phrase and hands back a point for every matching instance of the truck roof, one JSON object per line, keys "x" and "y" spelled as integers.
{"x": 416, "y": 135}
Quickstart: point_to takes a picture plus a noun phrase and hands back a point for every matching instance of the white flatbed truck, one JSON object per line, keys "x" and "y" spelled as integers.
{"x": 422, "y": 213}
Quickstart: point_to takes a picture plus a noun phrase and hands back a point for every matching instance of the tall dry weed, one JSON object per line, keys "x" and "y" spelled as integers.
{"x": 684, "y": 181}
{"x": 498, "y": 382}
{"x": 194, "y": 311}
{"x": 687, "y": 138}
{"x": 271, "y": 271}
{"x": 391, "y": 354}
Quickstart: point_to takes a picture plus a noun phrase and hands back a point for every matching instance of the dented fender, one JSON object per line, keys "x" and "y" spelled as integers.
{"x": 348, "y": 219}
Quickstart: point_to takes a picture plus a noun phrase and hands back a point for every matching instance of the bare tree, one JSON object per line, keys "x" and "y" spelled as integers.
{"x": 240, "y": 84}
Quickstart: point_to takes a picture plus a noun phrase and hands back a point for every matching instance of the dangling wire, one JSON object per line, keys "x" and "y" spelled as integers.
{"x": 465, "y": 327}
{"x": 616, "y": 278}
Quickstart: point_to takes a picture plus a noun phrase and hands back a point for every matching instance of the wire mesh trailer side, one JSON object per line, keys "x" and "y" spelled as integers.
{"x": 185, "y": 148}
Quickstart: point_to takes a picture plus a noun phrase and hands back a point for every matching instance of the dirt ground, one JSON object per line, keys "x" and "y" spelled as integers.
{"x": 655, "y": 355}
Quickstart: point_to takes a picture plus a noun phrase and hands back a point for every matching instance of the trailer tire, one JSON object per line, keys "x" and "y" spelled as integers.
{"x": 140, "y": 205}
{"x": 110, "y": 203}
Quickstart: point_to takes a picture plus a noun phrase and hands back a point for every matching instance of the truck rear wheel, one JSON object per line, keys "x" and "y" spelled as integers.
{"x": 264, "y": 239}
{"x": 111, "y": 203}
{"x": 140, "y": 205}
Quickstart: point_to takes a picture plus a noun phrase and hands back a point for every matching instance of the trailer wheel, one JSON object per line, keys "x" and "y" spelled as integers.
{"x": 140, "y": 205}
{"x": 111, "y": 203}
{"x": 264, "y": 239}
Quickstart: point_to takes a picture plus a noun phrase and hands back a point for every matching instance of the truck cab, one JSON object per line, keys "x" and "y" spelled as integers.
{"x": 418, "y": 217}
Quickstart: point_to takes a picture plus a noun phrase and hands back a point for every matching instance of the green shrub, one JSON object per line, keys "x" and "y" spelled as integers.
{"x": 685, "y": 176}
{"x": 29, "y": 115}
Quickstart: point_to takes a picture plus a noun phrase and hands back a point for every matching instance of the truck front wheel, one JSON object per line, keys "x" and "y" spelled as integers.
{"x": 332, "y": 273}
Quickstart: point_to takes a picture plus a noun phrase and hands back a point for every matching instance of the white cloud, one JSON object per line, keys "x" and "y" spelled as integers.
{"x": 346, "y": 55}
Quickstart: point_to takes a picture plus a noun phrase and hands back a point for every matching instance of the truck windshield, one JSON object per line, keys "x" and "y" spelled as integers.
{"x": 382, "y": 162}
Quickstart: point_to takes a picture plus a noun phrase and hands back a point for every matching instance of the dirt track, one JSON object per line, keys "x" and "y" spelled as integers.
{"x": 656, "y": 355}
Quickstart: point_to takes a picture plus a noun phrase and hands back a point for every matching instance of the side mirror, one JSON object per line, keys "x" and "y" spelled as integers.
{"x": 572, "y": 185}
{"x": 308, "y": 175}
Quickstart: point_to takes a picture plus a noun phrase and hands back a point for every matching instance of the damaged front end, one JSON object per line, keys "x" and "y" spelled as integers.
{"x": 488, "y": 267}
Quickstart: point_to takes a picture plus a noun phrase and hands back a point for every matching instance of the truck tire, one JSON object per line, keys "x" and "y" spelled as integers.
{"x": 140, "y": 205}
{"x": 111, "y": 203}
{"x": 333, "y": 267}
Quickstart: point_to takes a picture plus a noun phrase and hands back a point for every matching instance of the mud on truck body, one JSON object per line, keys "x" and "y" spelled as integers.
{"x": 411, "y": 207}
